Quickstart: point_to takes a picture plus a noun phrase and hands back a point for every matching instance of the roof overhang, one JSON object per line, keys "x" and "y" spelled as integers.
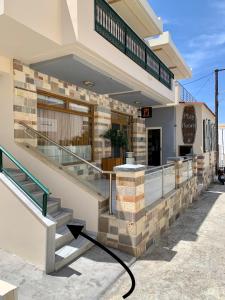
{"x": 139, "y": 16}
{"x": 74, "y": 70}
{"x": 164, "y": 47}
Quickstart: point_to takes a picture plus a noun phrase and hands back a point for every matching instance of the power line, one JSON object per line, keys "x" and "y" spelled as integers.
{"x": 204, "y": 84}
{"x": 199, "y": 78}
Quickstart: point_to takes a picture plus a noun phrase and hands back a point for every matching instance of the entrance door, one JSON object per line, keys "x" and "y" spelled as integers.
{"x": 154, "y": 146}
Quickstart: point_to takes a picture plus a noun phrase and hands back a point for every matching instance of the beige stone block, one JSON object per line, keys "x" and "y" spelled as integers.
{"x": 8, "y": 291}
{"x": 19, "y": 76}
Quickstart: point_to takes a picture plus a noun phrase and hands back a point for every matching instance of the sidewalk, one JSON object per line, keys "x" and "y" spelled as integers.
{"x": 189, "y": 262}
{"x": 85, "y": 279}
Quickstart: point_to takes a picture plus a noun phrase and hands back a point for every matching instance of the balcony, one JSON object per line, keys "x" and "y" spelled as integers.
{"x": 139, "y": 15}
{"x": 183, "y": 95}
{"x": 112, "y": 27}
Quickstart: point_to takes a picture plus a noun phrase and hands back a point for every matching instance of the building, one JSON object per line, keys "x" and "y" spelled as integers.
{"x": 222, "y": 145}
{"x": 69, "y": 72}
{"x": 186, "y": 128}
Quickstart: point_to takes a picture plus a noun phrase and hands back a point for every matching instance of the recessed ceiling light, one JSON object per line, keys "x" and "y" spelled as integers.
{"x": 136, "y": 102}
{"x": 88, "y": 83}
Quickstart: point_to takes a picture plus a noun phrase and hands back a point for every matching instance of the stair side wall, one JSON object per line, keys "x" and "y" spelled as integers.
{"x": 23, "y": 229}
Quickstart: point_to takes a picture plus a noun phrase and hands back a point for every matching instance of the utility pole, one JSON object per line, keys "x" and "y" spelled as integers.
{"x": 217, "y": 118}
{"x": 217, "y": 115}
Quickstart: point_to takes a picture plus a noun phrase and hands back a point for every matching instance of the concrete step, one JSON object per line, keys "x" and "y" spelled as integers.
{"x": 17, "y": 174}
{"x": 54, "y": 204}
{"x": 63, "y": 235}
{"x": 29, "y": 186}
{"x": 71, "y": 251}
{"x": 62, "y": 216}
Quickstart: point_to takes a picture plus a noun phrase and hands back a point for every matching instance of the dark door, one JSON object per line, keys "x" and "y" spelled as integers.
{"x": 154, "y": 147}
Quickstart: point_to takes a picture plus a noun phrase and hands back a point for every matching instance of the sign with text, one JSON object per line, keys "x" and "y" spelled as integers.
{"x": 189, "y": 124}
{"x": 146, "y": 112}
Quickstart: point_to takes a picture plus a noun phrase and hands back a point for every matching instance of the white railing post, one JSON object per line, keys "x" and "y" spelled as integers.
{"x": 162, "y": 181}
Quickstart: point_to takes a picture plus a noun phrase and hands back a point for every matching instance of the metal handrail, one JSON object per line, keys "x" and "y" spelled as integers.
{"x": 158, "y": 168}
{"x": 110, "y": 173}
{"x": 26, "y": 172}
{"x": 65, "y": 149}
{"x": 185, "y": 95}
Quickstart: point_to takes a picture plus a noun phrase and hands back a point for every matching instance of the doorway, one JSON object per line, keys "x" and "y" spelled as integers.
{"x": 154, "y": 146}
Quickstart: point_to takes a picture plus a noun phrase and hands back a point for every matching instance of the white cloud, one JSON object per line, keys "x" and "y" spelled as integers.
{"x": 205, "y": 48}
{"x": 208, "y": 40}
{"x": 195, "y": 58}
{"x": 219, "y": 5}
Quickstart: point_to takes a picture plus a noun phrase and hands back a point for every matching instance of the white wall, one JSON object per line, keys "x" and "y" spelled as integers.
{"x": 114, "y": 61}
{"x": 42, "y": 16}
{"x": 74, "y": 196}
{"x": 197, "y": 146}
{"x": 222, "y": 146}
{"x": 201, "y": 113}
{"x": 23, "y": 230}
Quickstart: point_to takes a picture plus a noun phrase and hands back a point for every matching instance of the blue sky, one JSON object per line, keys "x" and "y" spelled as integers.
{"x": 198, "y": 30}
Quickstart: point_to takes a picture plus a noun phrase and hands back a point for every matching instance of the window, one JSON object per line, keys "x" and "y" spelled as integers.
{"x": 67, "y": 123}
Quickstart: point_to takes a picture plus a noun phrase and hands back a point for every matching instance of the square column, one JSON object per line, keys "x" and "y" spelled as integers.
{"x": 130, "y": 208}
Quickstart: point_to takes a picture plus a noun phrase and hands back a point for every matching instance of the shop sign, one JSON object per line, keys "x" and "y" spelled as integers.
{"x": 189, "y": 124}
{"x": 146, "y": 112}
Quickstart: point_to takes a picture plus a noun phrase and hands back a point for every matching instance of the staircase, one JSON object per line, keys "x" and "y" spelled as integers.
{"x": 67, "y": 248}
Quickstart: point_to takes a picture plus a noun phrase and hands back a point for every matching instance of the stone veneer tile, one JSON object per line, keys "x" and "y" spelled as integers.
{"x": 129, "y": 198}
{"x": 130, "y": 240}
{"x": 133, "y": 217}
{"x": 113, "y": 230}
{"x": 103, "y": 224}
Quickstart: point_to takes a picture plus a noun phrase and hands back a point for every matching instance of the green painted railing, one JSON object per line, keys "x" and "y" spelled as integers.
{"x": 40, "y": 202}
{"x": 113, "y": 28}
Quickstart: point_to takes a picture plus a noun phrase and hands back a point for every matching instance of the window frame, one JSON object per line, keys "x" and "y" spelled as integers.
{"x": 68, "y": 100}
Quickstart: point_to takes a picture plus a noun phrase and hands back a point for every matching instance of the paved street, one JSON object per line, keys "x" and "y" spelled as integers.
{"x": 85, "y": 279}
{"x": 189, "y": 262}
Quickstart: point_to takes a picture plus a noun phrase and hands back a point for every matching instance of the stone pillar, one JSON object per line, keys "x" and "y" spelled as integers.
{"x": 130, "y": 209}
{"x": 102, "y": 122}
{"x": 178, "y": 161}
{"x": 139, "y": 140}
{"x": 195, "y": 165}
{"x": 201, "y": 168}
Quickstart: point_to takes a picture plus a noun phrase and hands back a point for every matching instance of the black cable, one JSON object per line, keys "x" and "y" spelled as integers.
{"x": 198, "y": 79}
{"x": 204, "y": 84}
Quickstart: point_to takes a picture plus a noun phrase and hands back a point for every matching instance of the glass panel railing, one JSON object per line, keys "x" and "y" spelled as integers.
{"x": 153, "y": 186}
{"x": 20, "y": 176}
{"x": 169, "y": 179}
{"x": 114, "y": 29}
{"x": 159, "y": 181}
{"x": 85, "y": 172}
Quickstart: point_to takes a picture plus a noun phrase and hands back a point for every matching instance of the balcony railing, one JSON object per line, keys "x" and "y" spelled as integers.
{"x": 114, "y": 29}
{"x": 184, "y": 95}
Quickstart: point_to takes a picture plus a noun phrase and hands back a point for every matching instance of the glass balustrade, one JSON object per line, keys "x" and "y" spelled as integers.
{"x": 83, "y": 171}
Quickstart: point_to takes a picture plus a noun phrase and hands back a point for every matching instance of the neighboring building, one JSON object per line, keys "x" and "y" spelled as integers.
{"x": 222, "y": 145}
{"x": 70, "y": 71}
{"x": 184, "y": 129}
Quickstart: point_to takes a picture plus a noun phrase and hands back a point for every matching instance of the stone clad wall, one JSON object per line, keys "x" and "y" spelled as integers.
{"x": 139, "y": 140}
{"x": 28, "y": 81}
{"x": 25, "y": 99}
{"x": 134, "y": 227}
{"x": 206, "y": 168}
